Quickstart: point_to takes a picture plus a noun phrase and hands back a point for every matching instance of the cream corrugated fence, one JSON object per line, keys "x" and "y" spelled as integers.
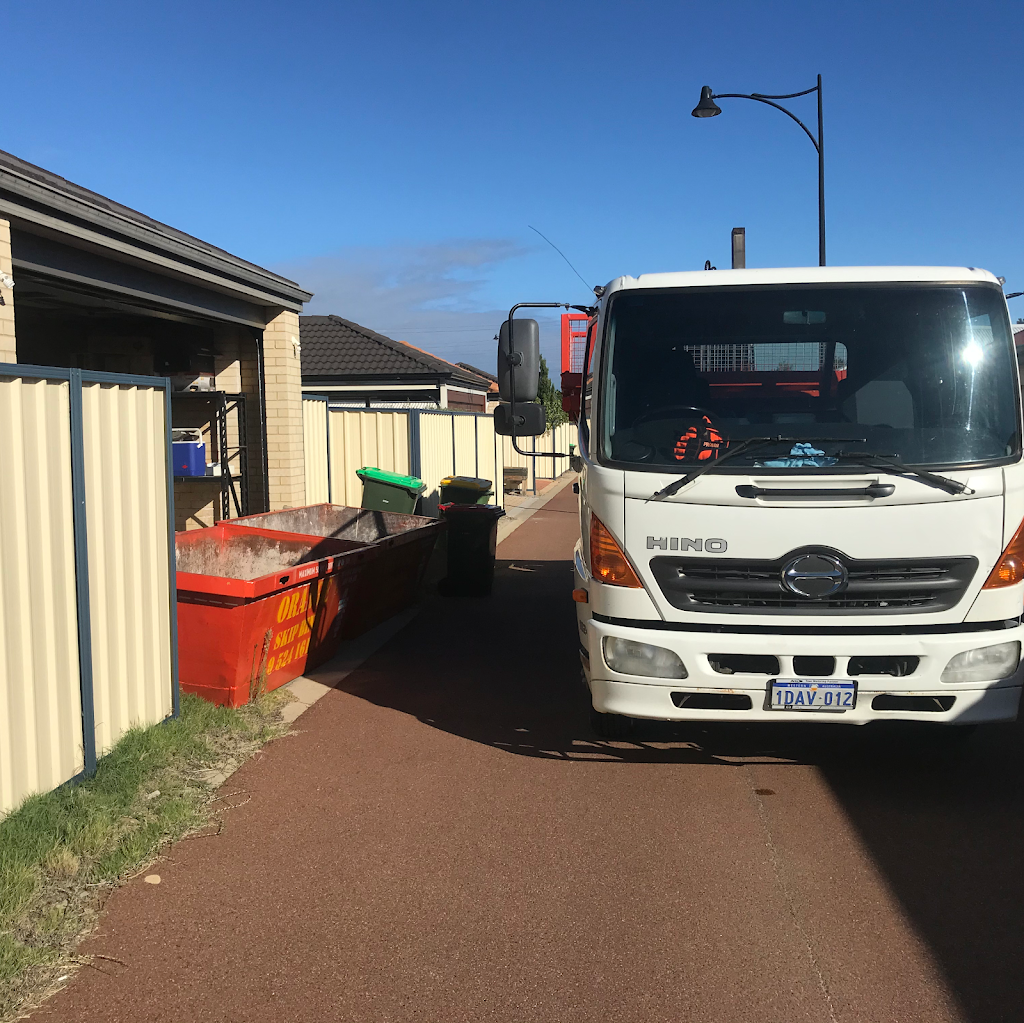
{"x": 125, "y": 444}
{"x": 87, "y": 608}
{"x": 40, "y": 692}
{"x": 360, "y": 438}
{"x": 314, "y": 440}
{"x": 418, "y": 442}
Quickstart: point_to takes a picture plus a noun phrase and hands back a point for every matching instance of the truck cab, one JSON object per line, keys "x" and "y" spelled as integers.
{"x": 801, "y": 498}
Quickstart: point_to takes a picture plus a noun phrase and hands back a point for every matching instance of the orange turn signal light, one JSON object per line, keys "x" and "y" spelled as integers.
{"x": 608, "y": 563}
{"x": 581, "y": 596}
{"x": 1009, "y": 569}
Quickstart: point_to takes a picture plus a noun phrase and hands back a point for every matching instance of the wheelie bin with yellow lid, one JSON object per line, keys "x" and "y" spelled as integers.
{"x": 465, "y": 490}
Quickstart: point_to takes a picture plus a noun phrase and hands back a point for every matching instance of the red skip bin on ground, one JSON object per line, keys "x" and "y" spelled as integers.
{"x": 257, "y": 607}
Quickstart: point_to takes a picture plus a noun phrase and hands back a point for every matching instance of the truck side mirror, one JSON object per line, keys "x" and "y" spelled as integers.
{"x": 527, "y": 416}
{"x": 519, "y": 353}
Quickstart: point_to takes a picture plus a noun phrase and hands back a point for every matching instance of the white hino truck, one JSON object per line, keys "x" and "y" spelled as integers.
{"x": 801, "y": 495}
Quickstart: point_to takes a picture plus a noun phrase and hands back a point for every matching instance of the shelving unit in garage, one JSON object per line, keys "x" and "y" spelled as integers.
{"x": 217, "y": 411}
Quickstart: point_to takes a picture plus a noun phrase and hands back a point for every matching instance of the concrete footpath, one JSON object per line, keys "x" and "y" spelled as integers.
{"x": 445, "y": 840}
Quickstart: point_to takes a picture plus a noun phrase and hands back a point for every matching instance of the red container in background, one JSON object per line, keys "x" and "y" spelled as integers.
{"x": 258, "y": 607}
{"x": 402, "y": 547}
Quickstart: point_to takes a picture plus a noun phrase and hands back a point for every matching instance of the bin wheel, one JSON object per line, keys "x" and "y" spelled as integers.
{"x": 610, "y": 726}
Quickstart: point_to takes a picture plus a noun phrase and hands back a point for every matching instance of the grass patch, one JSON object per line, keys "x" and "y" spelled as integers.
{"x": 62, "y": 852}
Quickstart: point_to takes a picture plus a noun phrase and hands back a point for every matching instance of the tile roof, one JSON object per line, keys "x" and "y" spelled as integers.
{"x": 479, "y": 372}
{"x": 338, "y": 348}
{"x": 490, "y": 377}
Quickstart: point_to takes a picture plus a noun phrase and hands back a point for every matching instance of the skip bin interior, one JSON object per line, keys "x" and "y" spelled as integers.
{"x": 391, "y": 580}
{"x": 246, "y": 562}
{"x": 338, "y": 520}
{"x": 257, "y": 607}
{"x": 234, "y": 554}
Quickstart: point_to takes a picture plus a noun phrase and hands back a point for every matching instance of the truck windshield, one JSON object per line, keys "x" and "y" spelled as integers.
{"x": 923, "y": 374}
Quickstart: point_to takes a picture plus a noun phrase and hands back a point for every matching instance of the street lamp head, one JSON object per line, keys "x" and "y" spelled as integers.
{"x": 707, "y": 107}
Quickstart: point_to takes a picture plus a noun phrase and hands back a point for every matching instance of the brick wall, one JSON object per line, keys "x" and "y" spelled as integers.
{"x": 196, "y": 505}
{"x": 8, "y": 351}
{"x": 283, "y": 382}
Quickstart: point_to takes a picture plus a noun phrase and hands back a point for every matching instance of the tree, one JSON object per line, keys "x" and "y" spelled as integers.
{"x": 550, "y": 397}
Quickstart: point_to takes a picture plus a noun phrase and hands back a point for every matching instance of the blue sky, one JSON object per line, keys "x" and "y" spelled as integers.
{"x": 391, "y": 156}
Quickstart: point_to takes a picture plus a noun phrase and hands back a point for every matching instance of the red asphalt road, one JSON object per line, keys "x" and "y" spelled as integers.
{"x": 445, "y": 840}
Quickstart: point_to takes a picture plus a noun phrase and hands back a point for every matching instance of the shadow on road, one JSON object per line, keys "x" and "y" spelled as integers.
{"x": 943, "y": 822}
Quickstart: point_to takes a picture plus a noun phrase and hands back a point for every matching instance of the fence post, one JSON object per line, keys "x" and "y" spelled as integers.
{"x": 415, "y": 462}
{"x": 172, "y": 559}
{"x": 81, "y": 535}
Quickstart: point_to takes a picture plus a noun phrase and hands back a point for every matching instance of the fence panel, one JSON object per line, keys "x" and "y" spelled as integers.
{"x": 359, "y": 438}
{"x": 125, "y": 447}
{"x": 437, "y": 455}
{"x": 427, "y": 443}
{"x": 314, "y": 440}
{"x": 489, "y": 465}
{"x": 40, "y": 688}
{"x": 88, "y": 645}
{"x": 466, "y": 454}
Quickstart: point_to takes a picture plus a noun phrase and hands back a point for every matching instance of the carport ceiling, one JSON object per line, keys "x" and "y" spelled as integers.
{"x": 43, "y": 293}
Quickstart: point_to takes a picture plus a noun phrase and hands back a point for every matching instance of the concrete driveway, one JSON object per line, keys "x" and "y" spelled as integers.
{"x": 445, "y": 840}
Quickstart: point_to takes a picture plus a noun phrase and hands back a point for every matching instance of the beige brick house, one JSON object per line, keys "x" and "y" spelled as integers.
{"x": 86, "y": 282}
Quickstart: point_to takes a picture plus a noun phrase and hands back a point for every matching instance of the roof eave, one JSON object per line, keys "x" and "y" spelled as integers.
{"x": 55, "y": 207}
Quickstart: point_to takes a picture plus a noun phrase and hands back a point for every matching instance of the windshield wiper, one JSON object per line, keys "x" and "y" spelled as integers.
{"x": 871, "y": 460}
{"x": 750, "y": 442}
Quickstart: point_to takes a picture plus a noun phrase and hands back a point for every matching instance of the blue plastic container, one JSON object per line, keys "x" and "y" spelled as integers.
{"x": 189, "y": 458}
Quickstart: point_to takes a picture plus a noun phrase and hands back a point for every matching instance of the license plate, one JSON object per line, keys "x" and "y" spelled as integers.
{"x": 812, "y": 694}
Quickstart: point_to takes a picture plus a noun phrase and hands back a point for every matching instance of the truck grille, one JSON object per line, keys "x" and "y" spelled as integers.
{"x": 732, "y": 586}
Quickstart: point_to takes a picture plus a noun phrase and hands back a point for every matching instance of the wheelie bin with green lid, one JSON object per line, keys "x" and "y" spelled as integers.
{"x": 472, "y": 540}
{"x": 465, "y": 490}
{"x": 390, "y": 491}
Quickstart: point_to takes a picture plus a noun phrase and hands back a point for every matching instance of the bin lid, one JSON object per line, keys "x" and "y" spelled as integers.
{"x": 450, "y": 511}
{"x": 467, "y": 483}
{"x": 411, "y": 483}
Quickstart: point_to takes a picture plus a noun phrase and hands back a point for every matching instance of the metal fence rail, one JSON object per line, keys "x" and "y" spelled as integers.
{"x": 88, "y": 644}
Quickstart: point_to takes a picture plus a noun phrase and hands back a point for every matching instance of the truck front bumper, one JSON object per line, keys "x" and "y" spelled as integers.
{"x": 743, "y": 696}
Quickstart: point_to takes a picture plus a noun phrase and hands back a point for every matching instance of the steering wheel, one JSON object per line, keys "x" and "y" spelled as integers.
{"x": 669, "y": 410}
{"x": 665, "y": 444}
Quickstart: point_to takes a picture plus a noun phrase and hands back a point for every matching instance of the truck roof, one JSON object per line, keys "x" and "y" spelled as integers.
{"x": 808, "y": 275}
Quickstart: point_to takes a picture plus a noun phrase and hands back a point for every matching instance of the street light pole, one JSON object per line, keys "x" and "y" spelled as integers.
{"x": 708, "y": 108}
{"x": 821, "y": 182}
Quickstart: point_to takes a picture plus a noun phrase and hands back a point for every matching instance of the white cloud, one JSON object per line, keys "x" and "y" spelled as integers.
{"x": 428, "y": 295}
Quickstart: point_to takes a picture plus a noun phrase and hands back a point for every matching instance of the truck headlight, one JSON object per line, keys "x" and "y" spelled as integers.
{"x": 632, "y": 658}
{"x": 984, "y": 664}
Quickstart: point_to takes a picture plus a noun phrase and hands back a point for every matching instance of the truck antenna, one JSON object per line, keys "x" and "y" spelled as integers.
{"x": 562, "y": 254}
